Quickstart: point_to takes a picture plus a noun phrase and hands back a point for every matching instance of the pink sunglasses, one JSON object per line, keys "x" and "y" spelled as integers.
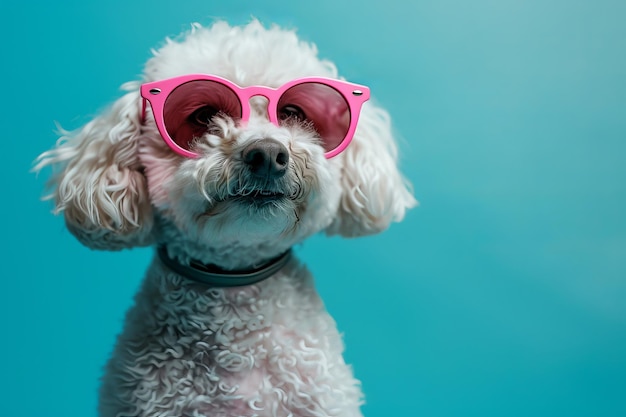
{"x": 183, "y": 107}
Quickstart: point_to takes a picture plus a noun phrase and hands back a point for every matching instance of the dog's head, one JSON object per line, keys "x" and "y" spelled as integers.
{"x": 225, "y": 187}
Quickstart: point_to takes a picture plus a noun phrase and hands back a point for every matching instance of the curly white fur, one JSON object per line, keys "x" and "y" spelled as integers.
{"x": 268, "y": 349}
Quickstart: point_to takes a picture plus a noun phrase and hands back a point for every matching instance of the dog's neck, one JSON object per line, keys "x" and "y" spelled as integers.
{"x": 215, "y": 276}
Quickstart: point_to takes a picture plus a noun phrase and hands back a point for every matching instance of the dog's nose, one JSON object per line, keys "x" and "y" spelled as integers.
{"x": 266, "y": 158}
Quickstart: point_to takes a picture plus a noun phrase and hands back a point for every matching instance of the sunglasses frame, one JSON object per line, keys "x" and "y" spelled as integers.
{"x": 157, "y": 92}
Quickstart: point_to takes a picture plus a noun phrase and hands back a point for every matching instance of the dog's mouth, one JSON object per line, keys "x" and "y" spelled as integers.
{"x": 259, "y": 197}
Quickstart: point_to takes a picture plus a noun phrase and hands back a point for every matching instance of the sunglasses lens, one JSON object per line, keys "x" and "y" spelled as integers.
{"x": 190, "y": 107}
{"x": 322, "y": 106}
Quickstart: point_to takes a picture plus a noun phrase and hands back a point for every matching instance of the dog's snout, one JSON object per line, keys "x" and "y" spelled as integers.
{"x": 266, "y": 158}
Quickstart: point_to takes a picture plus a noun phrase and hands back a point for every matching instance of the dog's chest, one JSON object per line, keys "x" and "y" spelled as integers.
{"x": 268, "y": 349}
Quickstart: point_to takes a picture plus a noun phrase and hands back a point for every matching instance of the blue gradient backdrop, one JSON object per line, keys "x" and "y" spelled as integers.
{"x": 502, "y": 295}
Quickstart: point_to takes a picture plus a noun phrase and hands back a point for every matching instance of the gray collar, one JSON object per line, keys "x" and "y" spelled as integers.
{"x": 214, "y": 276}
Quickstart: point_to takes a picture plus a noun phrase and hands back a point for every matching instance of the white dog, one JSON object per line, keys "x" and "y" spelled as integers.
{"x": 224, "y": 162}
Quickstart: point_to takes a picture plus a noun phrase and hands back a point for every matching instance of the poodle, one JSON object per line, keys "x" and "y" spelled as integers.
{"x": 237, "y": 144}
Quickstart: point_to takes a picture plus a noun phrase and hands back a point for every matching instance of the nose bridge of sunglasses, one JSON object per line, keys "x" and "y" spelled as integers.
{"x": 259, "y": 105}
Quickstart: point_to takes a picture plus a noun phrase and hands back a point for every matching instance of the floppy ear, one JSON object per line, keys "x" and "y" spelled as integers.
{"x": 374, "y": 193}
{"x": 97, "y": 180}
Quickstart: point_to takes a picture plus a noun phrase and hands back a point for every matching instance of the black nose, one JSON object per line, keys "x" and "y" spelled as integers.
{"x": 266, "y": 158}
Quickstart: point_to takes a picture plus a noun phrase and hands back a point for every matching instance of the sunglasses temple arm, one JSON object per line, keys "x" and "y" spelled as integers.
{"x": 143, "y": 111}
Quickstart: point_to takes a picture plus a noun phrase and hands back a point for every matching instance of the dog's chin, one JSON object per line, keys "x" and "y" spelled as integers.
{"x": 251, "y": 219}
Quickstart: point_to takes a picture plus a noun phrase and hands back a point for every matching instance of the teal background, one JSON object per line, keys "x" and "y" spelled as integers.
{"x": 503, "y": 294}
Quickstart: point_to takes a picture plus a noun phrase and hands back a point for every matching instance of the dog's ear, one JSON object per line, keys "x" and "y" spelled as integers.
{"x": 374, "y": 193}
{"x": 97, "y": 180}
